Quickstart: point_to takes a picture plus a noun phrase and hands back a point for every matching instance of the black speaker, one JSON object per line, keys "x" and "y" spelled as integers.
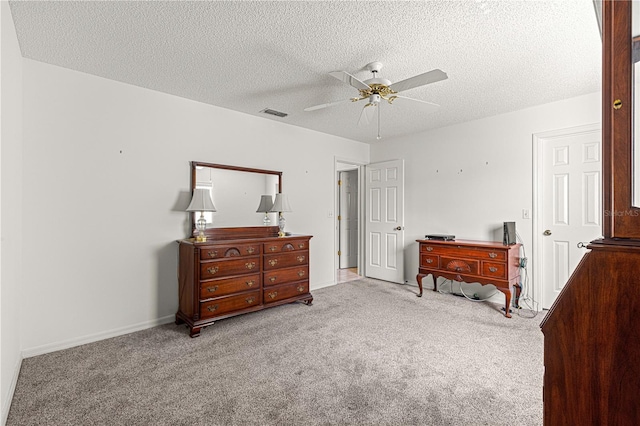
{"x": 509, "y": 233}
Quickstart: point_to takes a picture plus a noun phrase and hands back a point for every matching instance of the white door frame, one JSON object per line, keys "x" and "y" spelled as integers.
{"x": 336, "y": 204}
{"x": 538, "y": 141}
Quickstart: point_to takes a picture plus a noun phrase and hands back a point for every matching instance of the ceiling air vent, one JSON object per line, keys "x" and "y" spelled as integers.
{"x": 274, "y": 112}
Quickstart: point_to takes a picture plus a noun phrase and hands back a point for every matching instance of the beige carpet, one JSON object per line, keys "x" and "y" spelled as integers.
{"x": 365, "y": 353}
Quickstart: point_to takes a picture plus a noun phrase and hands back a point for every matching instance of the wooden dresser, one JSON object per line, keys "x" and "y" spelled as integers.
{"x": 240, "y": 270}
{"x": 472, "y": 262}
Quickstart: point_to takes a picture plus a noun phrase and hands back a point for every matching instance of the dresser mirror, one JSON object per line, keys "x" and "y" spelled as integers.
{"x": 236, "y": 193}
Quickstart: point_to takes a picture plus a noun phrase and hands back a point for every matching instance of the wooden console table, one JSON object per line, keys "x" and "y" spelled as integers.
{"x": 481, "y": 262}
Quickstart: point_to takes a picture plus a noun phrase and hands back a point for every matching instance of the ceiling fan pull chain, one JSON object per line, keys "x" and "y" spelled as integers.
{"x": 378, "y": 137}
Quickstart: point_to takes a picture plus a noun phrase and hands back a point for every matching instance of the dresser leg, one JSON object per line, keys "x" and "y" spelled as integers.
{"x": 419, "y": 278}
{"x": 507, "y": 293}
{"x": 518, "y": 288}
{"x": 179, "y": 320}
{"x": 308, "y": 301}
{"x": 194, "y": 331}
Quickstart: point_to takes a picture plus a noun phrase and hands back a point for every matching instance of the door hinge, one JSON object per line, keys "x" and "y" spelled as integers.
{"x": 339, "y": 182}
{"x": 339, "y": 217}
{"x": 339, "y": 253}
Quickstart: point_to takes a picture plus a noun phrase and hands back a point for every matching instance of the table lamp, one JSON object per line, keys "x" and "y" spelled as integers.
{"x": 201, "y": 202}
{"x": 280, "y": 205}
{"x": 266, "y": 203}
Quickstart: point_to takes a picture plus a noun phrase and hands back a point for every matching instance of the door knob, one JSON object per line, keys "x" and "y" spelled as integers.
{"x": 398, "y": 228}
{"x": 547, "y": 232}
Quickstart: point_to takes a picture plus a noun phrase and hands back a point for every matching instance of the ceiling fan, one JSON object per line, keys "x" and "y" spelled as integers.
{"x": 377, "y": 89}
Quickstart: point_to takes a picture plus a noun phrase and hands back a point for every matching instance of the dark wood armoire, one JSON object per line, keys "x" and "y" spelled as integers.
{"x": 591, "y": 339}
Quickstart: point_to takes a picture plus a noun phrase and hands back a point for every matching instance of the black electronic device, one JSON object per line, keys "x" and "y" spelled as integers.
{"x": 440, "y": 237}
{"x": 509, "y": 233}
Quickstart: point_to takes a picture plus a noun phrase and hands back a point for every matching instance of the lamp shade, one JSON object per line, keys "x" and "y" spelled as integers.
{"x": 266, "y": 203}
{"x": 201, "y": 201}
{"x": 281, "y": 204}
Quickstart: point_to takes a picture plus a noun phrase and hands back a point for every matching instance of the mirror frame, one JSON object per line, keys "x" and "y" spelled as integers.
{"x": 195, "y": 164}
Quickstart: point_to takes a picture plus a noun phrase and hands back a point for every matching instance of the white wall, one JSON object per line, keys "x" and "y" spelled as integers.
{"x": 106, "y": 178}
{"x": 11, "y": 210}
{"x": 468, "y": 178}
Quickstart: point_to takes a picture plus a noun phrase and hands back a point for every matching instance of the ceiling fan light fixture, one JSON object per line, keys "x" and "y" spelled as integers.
{"x": 378, "y": 81}
{"x": 376, "y": 89}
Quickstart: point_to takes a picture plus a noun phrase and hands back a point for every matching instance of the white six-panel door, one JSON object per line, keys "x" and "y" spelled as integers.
{"x": 384, "y": 221}
{"x": 570, "y": 204}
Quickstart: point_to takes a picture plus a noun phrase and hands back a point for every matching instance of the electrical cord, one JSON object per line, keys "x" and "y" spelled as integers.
{"x": 462, "y": 292}
{"x": 525, "y": 298}
{"x": 474, "y": 299}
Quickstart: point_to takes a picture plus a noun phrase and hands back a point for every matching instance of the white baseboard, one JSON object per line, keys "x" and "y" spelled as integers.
{"x": 6, "y": 403}
{"x": 322, "y": 285}
{"x": 57, "y": 346}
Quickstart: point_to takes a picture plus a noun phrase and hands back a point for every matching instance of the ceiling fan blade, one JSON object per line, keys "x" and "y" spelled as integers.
{"x": 367, "y": 114}
{"x": 313, "y": 108}
{"x": 419, "y": 80}
{"x": 426, "y": 106}
{"x": 350, "y": 80}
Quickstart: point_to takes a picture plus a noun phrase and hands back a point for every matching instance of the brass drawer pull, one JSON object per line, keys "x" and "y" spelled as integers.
{"x": 493, "y": 255}
{"x": 273, "y": 248}
{"x": 301, "y": 245}
{"x": 212, "y": 269}
{"x": 300, "y": 288}
{"x": 250, "y": 265}
{"x": 429, "y": 260}
{"x": 212, "y": 308}
{"x": 429, "y": 248}
{"x": 273, "y": 262}
{"x": 458, "y": 269}
{"x": 250, "y": 283}
{"x": 272, "y": 279}
{"x": 212, "y": 289}
{"x": 492, "y": 269}
{"x": 213, "y": 253}
{"x": 250, "y": 250}
{"x": 300, "y": 259}
{"x": 250, "y": 300}
{"x": 301, "y": 273}
{"x": 272, "y": 295}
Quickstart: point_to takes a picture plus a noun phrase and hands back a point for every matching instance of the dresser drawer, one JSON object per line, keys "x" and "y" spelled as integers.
{"x": 229, "y": 250}
{"x": 461, "y": 266}
{"x": 227, "y": 267}
{"x": 229, "y": 304}
{"x": 285, "y": 291}
{"x": 465, "y": 252}
{"x": 223, "y": 287}
{"x": 286, "y": 245}
{"x": 494, "y": 270}
{"x": 429, "y": 261}
{"x": 282, "y": 276}
{"x": 284, "y": 260}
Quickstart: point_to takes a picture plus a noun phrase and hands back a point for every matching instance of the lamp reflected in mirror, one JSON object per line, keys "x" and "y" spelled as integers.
{"x": 201, "y": 202}
{"x": 266, "y": 203}
{"x": 280, "y": 205}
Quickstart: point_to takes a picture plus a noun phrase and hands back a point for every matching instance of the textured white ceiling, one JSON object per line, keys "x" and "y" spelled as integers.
{"x": 250, "y": 55}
